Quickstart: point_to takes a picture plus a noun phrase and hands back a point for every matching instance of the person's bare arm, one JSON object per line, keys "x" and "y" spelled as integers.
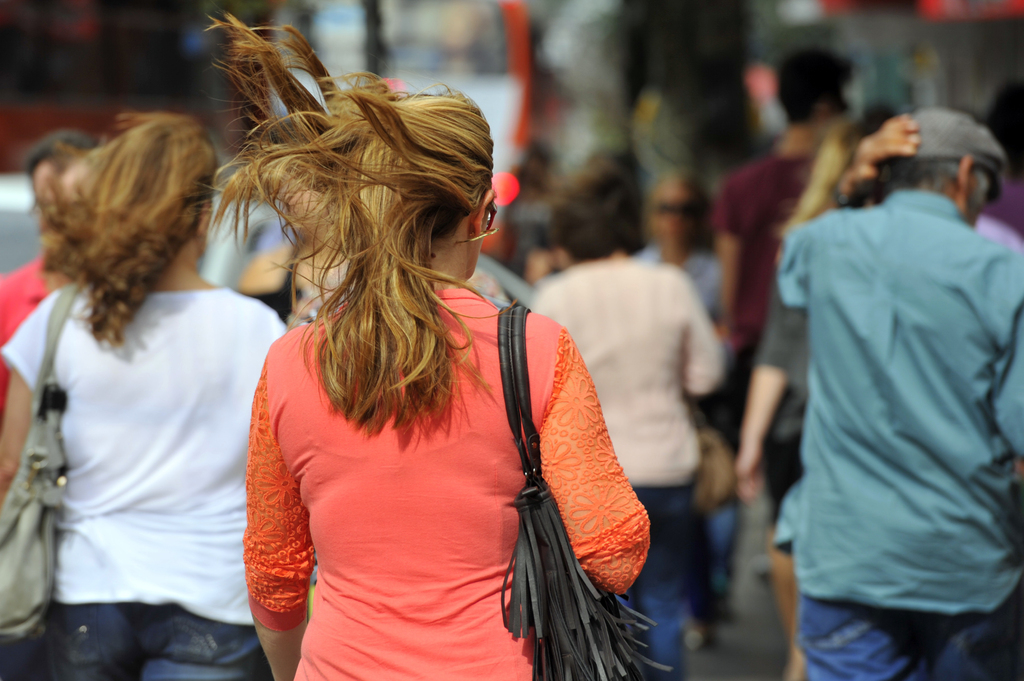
{"x": 283, "y": 649}
{"x": 898, "y": 136}
{"x": 767, "y": 386}
{"x": 727, "y": 248}
{"x": 267, "y": 272}
{"x": 16, "y": 423}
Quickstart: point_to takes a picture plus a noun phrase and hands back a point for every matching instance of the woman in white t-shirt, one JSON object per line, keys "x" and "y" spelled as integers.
{"x": 160, "y": 368}
{"x": 646, "y": 338}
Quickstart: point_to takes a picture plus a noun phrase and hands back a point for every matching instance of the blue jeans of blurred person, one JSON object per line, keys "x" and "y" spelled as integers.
{"x": 710, "y": 561}
{"x": 852, "y": 642}
{"x": 24, "y": 661}
{"x": 660, "y": 590}
{"x": 140, "y": 642}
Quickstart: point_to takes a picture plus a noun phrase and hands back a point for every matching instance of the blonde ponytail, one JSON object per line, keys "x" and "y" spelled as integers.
{"x": 369, "y": 178}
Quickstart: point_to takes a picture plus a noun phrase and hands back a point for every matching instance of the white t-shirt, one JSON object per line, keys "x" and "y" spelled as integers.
{"x": 156, "y": 433}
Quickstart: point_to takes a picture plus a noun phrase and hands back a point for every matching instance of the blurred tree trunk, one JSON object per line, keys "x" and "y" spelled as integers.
{"x": 376, "y": 51}
{"x": 684, "y": 68}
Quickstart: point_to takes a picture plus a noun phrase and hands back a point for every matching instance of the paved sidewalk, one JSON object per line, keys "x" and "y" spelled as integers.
{"x": 751, "y": 647}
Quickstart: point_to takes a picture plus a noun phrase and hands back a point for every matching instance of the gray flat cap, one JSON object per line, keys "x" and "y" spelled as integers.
{"x": 948, "y": 134}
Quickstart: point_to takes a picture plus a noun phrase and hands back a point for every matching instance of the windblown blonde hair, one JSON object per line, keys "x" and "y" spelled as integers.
{"x": 833, "y": 157}
{"x": 369, "y": 177}
{"x": 141, "y": 202}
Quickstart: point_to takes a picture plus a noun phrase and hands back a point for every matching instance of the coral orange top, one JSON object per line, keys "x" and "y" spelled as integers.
{"x": 413, "y": 530}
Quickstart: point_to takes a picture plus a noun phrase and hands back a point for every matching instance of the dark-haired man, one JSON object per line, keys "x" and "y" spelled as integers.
{"x": 758, "y": 198}
{"x": 906, "y": 528}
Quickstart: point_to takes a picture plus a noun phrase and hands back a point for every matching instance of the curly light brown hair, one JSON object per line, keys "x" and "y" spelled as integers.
{"x": 142, "y": 201}
{"x": 369, "y": 177}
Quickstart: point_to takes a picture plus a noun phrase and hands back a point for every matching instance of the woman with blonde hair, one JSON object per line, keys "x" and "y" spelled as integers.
{"x": 159, "y": 368}
{"x": 379, "y": 433}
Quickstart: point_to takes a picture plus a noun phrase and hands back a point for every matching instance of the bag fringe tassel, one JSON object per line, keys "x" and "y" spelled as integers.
{"x": 581, "y": 636}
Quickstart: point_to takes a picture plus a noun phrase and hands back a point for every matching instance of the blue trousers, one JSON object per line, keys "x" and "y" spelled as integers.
{"x": 660, "y": 590}
{"x": 24, "y": 661}
{"x": 852, "y": 642}
{"x": 710, "y": 561}
{"x": 140, "y": 642}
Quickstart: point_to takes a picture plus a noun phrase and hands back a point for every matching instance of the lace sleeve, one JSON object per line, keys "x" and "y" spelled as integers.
{"x": 607, "y": 526}
{"x": 278, "y": 550}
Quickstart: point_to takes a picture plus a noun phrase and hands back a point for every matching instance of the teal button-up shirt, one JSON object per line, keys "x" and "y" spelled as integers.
{"x": 916, "y": 408}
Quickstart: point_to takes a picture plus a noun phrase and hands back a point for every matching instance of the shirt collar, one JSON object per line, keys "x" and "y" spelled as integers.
{"x": 928, "y": 202}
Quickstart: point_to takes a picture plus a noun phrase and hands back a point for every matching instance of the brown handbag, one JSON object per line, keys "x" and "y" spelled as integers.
{"x": 715, "y": 480}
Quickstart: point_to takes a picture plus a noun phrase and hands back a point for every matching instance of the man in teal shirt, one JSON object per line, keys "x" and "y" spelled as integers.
{"x": 907, "y": 530}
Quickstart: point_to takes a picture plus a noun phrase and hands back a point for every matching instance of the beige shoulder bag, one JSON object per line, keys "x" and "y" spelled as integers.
{"x": 715, "y": 480}
{"x": 27, "y": 519}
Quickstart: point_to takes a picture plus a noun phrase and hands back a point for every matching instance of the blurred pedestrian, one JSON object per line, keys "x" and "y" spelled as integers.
{"x": 22, "y": 290}
{"x": 906, "y": 530}
{"x": 159, "y": 368}
{"x": 49, "y": 166}
{"x": 529, "y": 216}
{"x": 680, "y": 234}
{"x": 756, "y": 200}
{"x": 1002, "y": 220}
{"x": 379, "y": 433}
{"x": 285, "y": 279}
{"x": 269, "y": 277}
{"x": 773, "y": 418}
{"x": 648, "y": 342}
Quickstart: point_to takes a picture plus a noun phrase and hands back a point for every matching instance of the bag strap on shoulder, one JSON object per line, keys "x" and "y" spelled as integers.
{"x": 55, "y": 324}
{"x": 515, "y": 384}
{"x": 48, "y": 399}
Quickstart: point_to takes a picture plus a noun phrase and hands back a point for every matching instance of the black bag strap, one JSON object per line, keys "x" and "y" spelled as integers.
{"x": 580, "y": 633}
{"x": 515, "y": 384}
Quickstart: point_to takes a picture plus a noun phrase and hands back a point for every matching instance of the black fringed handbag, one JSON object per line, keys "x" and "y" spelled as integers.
{"x": 582, "y": 633}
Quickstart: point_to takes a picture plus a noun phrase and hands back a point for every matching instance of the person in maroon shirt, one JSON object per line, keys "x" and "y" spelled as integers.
{"x": 758, "y": 198}
{"x": 48, "y": 164}
{"x": 754, "y": 202}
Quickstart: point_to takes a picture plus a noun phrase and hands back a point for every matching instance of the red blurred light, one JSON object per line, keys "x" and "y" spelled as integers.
{"x": 506, "y": 187}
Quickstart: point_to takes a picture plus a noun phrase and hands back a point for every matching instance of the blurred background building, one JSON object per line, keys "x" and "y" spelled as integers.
{"x": 662, "y": 83}
{"x": 678, "y": 81}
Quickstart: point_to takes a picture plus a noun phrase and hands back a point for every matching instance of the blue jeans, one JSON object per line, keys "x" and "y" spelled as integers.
{"x": 24, "y": 661}
{"x": 135, "y": 641}
{"x": 710, "y": 562}
{"x": 851, "y": 642}
{"x": 660, "y": 591}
